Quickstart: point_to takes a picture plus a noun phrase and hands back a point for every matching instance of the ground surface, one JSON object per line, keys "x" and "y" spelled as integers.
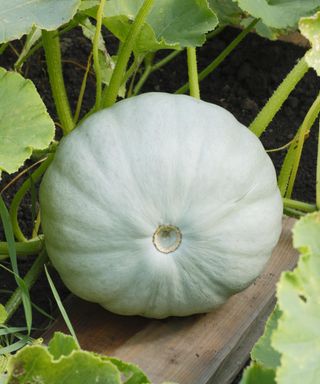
{"x": 241, "y": 84}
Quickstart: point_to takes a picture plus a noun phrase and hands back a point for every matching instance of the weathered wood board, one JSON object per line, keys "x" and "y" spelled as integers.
{"x": 200, "y": 349}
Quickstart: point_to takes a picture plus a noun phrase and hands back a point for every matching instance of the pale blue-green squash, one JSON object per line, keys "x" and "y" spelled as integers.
{"x": 162, "y": 205}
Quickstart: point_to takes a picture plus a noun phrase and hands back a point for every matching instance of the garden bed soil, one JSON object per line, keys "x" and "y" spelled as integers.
{"x": 242, "y": 84}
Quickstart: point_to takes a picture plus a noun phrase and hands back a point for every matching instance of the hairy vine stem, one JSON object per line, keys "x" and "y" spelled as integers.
{"x": 126, "y": 49}
{"x": 219, "y": 59}
{"x": 95, "y": 51}
{"x": 291, "y": 162}
{"x": 51, "y": 44}
{"x": 268, "y": 112}
{"x": 36, "y": 175}
{"x": 193, "y": 72}
{"x": 25, "y": 248}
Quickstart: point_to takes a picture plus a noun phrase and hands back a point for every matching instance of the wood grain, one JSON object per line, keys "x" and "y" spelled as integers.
{"x": 201, "y": 349}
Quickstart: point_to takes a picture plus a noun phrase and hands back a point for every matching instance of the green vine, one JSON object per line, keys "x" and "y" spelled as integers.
{"x": 95, "y": 50}
{"x": 299, "y": 205}
{"x": 219, "y": 59}
{"x": 51, "y": 44}
{"x": 291, "y": 162}
{"x": 268, "y": 112}
{"x": 193, "y": 72}
{"x": 30, "y": 278}
{"x": 126, "y": 49}
{"x": 36, "y": 175}
{"x": 25, "y": 248}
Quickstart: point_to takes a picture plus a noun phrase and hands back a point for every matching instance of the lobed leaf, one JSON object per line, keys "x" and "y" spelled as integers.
{"x": 298, "y": 333}
{"x": 279, "y": 14}
{"x": 256, "y": 374}
{"x": 289, "y": 350}
{"x": 17, "y": 17}
{"x": 310, "y": 28}
{"x": 63, "y": 361}
{"x": 35, "y": 364}
{"x": 24, "y": 122}
{"x": 170, "y": 24}
{"x": 263, "y": 353}
{"x": 228, "y": 11}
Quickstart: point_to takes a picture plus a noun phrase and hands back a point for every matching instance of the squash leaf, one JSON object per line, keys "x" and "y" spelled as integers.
{"x": 87, "y": 4}
{"x": 257, "y": 374}
{"x": 17, "y": 17}
{"x": 170, "y": 24}
{"x": 24, "y": 122}
{"x": 289, "y": 350}
{"x": 263, "y": 353}
{"x": 62, "y": 345}
{"x": 310, "y": 28}
{"x": 63, "y": 360}
{"x": 228, "y": 12}
{"x": 279, "y": 14}
{"x": 298, "y": 333}
{"x": 35, "y": 363}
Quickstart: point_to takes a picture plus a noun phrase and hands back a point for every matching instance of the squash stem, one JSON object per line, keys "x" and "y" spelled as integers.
{"x": 26, "y": 248}
{"x": 126, "y": 49}
{"x": 36, "y": 175}
{"x": 51, "y": 44}
{"x": 147, "y": 70}
{"x": 193, "y": 72}
{"x": 299, "y": 205}
{"x": 30, "y": 278}
{"x": 219, "y": 59}
{"x": 291, "y": 162}
{"x": 82, "y": 90}
{"x": 95, "y": 50}
{"x": 268, "y": 112}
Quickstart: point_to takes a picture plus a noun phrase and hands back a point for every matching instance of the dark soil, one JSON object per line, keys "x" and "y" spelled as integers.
{"x": 242, "y": 84}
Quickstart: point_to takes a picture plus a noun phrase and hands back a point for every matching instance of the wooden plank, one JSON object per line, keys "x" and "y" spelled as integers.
{"x": 200, "y": 349}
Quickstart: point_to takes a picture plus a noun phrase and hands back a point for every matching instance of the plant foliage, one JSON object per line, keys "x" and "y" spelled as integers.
{"x": 17, "y": 17}
{"x": 63, "y": 360}
{"x": 280, "y": 14}
{"x": 288, "y": 352}
{"x": 24, "y": 122}
{"x": 310, "y": 28}
{"x": 170, "y": 24}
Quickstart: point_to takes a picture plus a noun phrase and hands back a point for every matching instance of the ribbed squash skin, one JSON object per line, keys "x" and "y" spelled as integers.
{"x": 160, "y": 159}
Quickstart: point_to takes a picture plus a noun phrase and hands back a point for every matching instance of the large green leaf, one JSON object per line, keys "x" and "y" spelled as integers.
{"x": 289, "y": 350}
{"x": 263, "y": 353}
{"x": 87, "y": 4}
{"x": 64, "y": 362}
{"x": 170, "y": 24}
{"x": 310, "y": 28}
{"x": 35, "y": 363}
{"x": 297, "y": 336}
{"x": 257, "y": 374}
{"x": 62, "y": 345}
{"x": 24, "y": 122}
{"x": 17, "y": 17}
{"x": 228, "y": 11}
{"x": 280, "y": 14}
